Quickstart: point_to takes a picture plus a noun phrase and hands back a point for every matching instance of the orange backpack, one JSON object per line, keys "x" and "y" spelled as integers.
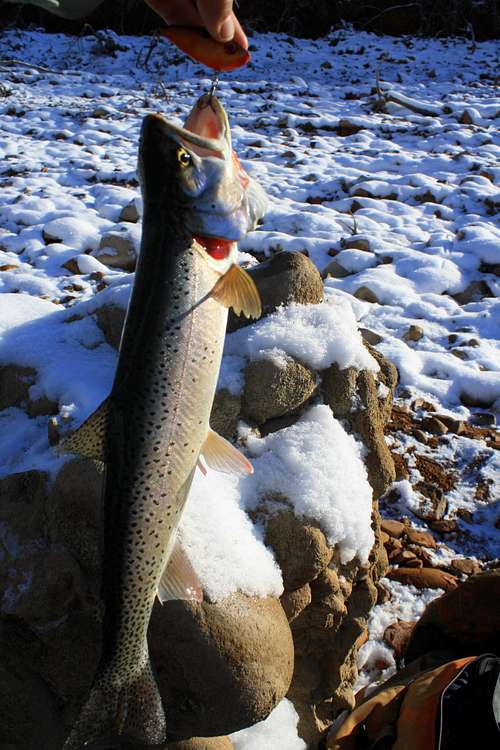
{"x": 450, "y": 707}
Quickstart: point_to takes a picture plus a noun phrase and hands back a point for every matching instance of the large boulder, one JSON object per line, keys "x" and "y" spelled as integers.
{"x": 274, "y": 387}
{"x": 221, "y": 666}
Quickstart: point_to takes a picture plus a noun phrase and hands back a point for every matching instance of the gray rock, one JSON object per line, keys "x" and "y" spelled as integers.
{"x": 130, "y": 213}
{"x": 15, "y": 382}
{"x": 110, "y": 319}
{"x": 226, "y": 411}
{"x": 116, "y": 250}
{"x": 273, "y": 389}
{"x": 366, "y": 295}
{"x": 414, "y": 333}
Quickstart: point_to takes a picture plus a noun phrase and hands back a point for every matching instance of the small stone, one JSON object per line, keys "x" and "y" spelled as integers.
{"x": 370, "y": 336}
{"x": 470, "y": 400}
{"x": 277, "y": 423}
{"x": 414, "y": 333}
{"x": 335, "y": 270}
{"x": 102, "y": 112}
{"x": 444, "y": 525}
{"x": 366, "y": 295}
{"x": 357, "y": 243}
{"x": 434, "y": 426}
{"x": 395, "y": 529}
{"x": 346, "y": 128}
{"x": 383, "y": 593}
{"x": 400, "y": 466}
{"x": 483, "y": 419}
{"x": 110, "y": 319}
{"x": 474, "y": 292}
{"x": 43, "y": 406}
{"x": 434, "y": 505}
{"x": 455, "y": 426}
{"x": 424, "y": 578}
{"x": 423, "y": 538}
{"x": 130, "y": 213}
{"x": 465, "y": 566}
{"x": 397, "y": 636}
{"x": 420, "y": 436}
{"x": 15, "y": 382}
{"x": 116, "y": 250}
{"x": 459, "y": 354}
{"x": 274, "y": 388}
{"x": 72, "y": 266}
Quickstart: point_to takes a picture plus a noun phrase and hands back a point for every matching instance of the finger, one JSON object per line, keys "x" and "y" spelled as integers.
{"x": 218, "y": 18}
{"x": 239, "y": 35}
{"x": 176, "y": 12}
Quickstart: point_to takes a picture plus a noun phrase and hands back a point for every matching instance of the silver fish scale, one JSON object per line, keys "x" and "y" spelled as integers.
{"x": 164, "y": 431}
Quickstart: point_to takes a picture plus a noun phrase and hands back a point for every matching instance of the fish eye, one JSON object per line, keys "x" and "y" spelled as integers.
{"x": 184, "y": 159}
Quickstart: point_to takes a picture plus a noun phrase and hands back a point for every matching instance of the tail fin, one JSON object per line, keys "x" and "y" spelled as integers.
{"x": 132, "y": 709}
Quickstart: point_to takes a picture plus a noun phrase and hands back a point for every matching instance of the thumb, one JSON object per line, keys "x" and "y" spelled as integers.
{"x": 218, "y": 18}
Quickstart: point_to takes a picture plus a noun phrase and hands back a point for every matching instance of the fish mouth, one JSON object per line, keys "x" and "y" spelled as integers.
{"x": 217, "y": 247}
{"x": 206, "y": 130}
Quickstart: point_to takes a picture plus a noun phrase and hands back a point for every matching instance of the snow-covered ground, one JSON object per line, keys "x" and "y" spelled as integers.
{"x": 403, "y": 202}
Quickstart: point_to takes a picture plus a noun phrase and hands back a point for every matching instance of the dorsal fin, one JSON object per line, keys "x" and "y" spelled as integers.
{"x": 89, "y": 439}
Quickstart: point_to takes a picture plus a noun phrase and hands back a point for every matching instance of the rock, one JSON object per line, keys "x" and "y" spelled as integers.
{"x": 15, "y": 382}
{"x": 201, "y": 743}
{"x": 129, "y": 213}
{"x": 221, "y": 666}
{"x": 370, "y": 336}
{"x": 400, "y": 466}
{"x": 275, "y": 387}
{"x": 474, "y": 292}
{"x": 301, "y": 550}
{"x": 339, "y": 389}
{"x": 383, "y": 593}
{"x": 366, "y": 294}
{"x": 353, "y": 395}
{"x": 294, "y": 602}
{"x": 465, "y": 619}
{"x": 226, "y": 410}
{"x": 422, "y": 538}
{"x": 465, "y": 566}
{"x": 116, "y": 250}
{"x": 395, "y": 529}
{"x": 434, "y": 426}
{"x": 72, "y": 266}
{"x": 335, "y": 270}
{"x": 468, "y": 399}
{"x": 74, "y": 509}
{"x": 43, "y": 406}
{"x": 357, "y": 242}
{"x": 444, "y": 525}
{"x": 278, "y": 423}
{"x": 434, "y": 505}
{"x": 286, "y": 277}
{"x": 397, "y": 636}
{"x": 346, "y": 128}
{"x": 110, "y": 319}
{"x": 414, "y": 333}
{"x": 423, "y": 578}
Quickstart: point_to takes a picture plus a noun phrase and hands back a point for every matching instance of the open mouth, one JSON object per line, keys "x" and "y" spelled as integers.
{"x": 217, "y": 248}
{"x": 207, "y": 120}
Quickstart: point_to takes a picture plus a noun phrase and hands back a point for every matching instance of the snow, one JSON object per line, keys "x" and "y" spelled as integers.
{"x": 317, "y": 335}
{"x": 422, "y": 189}
{"x": 318, "y": 468}
{"x": 279, "y": 730}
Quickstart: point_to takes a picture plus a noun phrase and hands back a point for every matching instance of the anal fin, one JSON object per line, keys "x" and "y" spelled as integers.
{"x": 89, "y": 439}
{"x": 179, "y": 580}
{"x": 237, "y": 289}
{"x": 220, "y": 455}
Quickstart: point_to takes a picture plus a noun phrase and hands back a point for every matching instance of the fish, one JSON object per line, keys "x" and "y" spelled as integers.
{"x": 198, "y": 44}
{"x": 153, "y": 429}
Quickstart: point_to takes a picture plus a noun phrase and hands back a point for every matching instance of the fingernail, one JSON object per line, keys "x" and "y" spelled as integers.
{"x": 226, "y": 29}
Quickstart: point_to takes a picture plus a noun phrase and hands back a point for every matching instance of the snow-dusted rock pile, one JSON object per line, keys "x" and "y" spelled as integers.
{"x": 224, "y": 664}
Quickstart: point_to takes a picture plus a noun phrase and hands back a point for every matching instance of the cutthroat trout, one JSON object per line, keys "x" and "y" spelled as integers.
{"x": 154, "y": 427}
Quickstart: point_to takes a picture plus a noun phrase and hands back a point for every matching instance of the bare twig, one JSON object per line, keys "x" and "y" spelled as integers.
{"x": 418, "y": 107}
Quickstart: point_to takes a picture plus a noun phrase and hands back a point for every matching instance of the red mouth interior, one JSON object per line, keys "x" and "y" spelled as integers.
{"x": 217, "y": 248}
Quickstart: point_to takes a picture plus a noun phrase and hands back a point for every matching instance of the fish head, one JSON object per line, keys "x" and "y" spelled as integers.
{"x": 222, "y": 200}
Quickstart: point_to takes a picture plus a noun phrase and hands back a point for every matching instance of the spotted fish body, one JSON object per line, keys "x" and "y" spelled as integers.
{"x": 152, "y": 429}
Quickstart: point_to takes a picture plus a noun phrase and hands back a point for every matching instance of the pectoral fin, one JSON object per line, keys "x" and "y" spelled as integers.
{"x": 179, "y": 580}
{"x": 220, "y": 455}
{"x": 89, "y": 439}
{"x": 237, "y": 289}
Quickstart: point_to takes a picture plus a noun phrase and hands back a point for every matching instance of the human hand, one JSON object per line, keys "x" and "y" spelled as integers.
{"x": 215, "y": 15}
